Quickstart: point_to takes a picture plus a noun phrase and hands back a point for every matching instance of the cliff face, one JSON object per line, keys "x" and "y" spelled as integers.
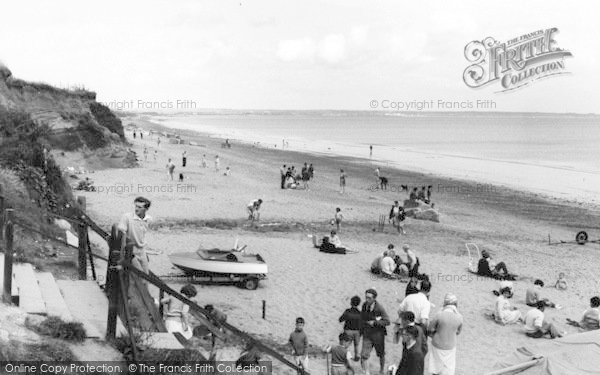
{"x": 75, "y": 118}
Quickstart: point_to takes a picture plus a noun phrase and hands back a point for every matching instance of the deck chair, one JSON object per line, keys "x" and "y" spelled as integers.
{"x": 472, "y": 249}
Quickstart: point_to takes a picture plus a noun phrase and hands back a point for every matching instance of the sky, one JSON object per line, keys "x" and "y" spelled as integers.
{"x": 274, "y": 54}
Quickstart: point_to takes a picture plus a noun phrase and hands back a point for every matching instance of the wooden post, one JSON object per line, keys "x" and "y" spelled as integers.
{"x": 161, "y": 295}
{"x": 264, "y": 308}
{"x": 1, "y": 215}
{"x": 82, "y": 234}
{"x": 112, "y": 287}
{"x": 8, "y": 258}
{"x": 128, "y": 318}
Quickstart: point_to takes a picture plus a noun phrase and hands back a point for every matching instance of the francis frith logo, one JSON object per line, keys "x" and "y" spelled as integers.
{"x": 515, "y": 63}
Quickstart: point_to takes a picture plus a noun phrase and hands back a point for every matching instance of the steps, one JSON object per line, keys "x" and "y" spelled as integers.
{"x": 88, "y": 304}
{"x": 55, "y": 303}
{"x": 30, "y": 296}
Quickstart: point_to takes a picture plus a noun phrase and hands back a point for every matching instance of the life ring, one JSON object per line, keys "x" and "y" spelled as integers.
{"x": 581, "y": 238}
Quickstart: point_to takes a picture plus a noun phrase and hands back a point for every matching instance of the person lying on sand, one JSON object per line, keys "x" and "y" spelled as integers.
{"x": 327, "y": 247}
{"x": 591, "y": 317}
{"x": 499, "y": 270}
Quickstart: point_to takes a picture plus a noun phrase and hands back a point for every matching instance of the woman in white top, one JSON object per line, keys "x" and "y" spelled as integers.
{"x": 176, "y": 315}
{"x": 505, "y": 313}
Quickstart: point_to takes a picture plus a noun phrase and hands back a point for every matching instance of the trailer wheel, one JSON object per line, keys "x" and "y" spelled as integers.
{"x": 250, "y": 283}
{"x": 581, "y": 237}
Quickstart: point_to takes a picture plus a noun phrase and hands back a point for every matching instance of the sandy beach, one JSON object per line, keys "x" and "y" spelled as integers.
{"x": 514, "y": 226}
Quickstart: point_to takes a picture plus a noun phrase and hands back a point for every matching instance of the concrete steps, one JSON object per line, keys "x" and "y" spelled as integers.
{"x": 30, "y": 295}
{"x": 55, "y": 303}
{"x": 88, "y": 305}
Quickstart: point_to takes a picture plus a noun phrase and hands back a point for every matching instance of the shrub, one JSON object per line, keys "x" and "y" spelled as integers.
{"x": 57, "y": 328}
{"x": 106, "y": 118}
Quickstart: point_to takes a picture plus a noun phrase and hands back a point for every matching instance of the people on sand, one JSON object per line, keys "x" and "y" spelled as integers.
{"x": 184, "y": 159}
{"x": 170, "y": 169}
{"x": 561, "y": 283}
{"x": 227, "y": 171}
{"x": 388, "y": 265}
{"x": 204, "y": 164}
{"x": 373, "y": 329}
{"x": 311, "y": 171}
{"x": 444, "y": 328}
{"x": 591, "y": 317}
{"x": 338, "y": 218}
{"x": 370, "y": 151}
{"x": 176, "y": 314}
{"x": 532, "y": 296}
{"x": 217, "y": 163}
{"x": 413, "y": 262}
{"x": 537, "y": 326}
{"x": 342, "y": 181}
{"x": 397, "y": 217}
{"x": 299, "y": 343}
{"x": 327, "y": 247}
{"x": 305, "y": 176}
{"x": 413, "y": 359}
{"x": 413, "y": 195}
{"x": 335, "y": 239}
{"x": 428, "y": 201}
{"x": 419, "y": 304}
{"x": 421, "y": 194}
{"x": 134, "y": 226}
{"x": 352, "y": 320}
{"x": 341, "y": 356}
{"x": 486, "y": 268}
{"x": 412, "y": 287}
{"x": 376, "y": 264}
{"x": 145, "y": 153}
{"x": 155, "y": 154}
{"x": 253, "y": 210}
{"x": 282, "y": 173}
{"x": 504, "y": 313}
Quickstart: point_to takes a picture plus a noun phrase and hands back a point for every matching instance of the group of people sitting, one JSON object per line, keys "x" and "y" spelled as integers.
{"x": 421, "y": 195}
{"x": 535, "y": 323}
{"x": 291, "y": 178}
{"x": 488, "y": 268}
{"x": 389, "y": 264}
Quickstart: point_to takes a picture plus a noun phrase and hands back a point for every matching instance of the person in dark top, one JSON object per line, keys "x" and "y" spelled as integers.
{"x": 408, "y": 320}
{"x": 327, "y": 247}
{"x": 352, "y": 321}
{"x": 374, "y": 320}
{"x": 421, "y": 194}
{"x": 250, "y": 356}
{"x": 413, "y": 360}
{"x": 311, "y": 171}
{"x": 500, "y": 272}
{"x": 340, "y": 357}
{"x": 413, "y": 194}
{"x": 412, "y": 287}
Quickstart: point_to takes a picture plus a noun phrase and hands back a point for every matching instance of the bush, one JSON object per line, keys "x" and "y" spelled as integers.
{"x": 57, "y": 328}
{"x": 47, "y": 350}
{"x": 106, "y": 118}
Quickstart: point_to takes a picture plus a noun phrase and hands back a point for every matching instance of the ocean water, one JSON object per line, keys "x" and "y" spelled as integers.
{"x": 553, "y": 154}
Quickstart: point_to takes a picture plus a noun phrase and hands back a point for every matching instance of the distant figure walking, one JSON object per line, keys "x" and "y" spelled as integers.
{"x": 338, "y": 218}
{"x": 155, "y": 154}
{"x": 134, "y": 134}
{"x": 217, "y": 162}
{"x": 370, "y": 151}
{"x": 158, "y": 142}
{"x": 397, "y": 216}
{"x": 184, "y": 159}
{"x": 141, "y": 134}
{"x": 342, "y": 181}
{"x": 204, "y": 165}
{"x": 170, "y": 168}
{"x": 305, "y": 176}
{"x": 311, "y": 171}
{"x": 145, "y": 153}
{"x": 283, "y": 172}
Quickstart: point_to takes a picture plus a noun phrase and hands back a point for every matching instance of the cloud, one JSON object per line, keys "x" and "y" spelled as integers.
{"x": 297, "y": 50}
{"x": 332, "y": 48}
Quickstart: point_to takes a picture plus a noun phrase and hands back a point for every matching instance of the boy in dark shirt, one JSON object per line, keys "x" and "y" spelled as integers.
{"x": 299, "y": 343}
{"x": 352, "y": 321}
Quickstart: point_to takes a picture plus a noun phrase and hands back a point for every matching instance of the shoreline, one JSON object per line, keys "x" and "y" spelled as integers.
{"x": 485, "y": 185}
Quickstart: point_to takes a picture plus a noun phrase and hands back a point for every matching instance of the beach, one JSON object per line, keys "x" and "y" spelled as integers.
{"x": 513, "y": 225}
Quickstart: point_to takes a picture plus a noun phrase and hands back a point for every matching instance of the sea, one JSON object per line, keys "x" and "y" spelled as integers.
{"x": 557, "y": 155}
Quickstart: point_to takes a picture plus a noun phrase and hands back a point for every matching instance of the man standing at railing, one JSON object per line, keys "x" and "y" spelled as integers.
{"x": 134, "y": 226}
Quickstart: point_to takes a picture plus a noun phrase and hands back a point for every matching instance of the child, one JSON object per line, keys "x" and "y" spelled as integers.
{"x": 352, "y": 323}
{"x": 561, "y": 283}
{"x": 338, "y": 218}
{"x": 532, "y": 296}
{"x": 340, "y": 356}
{"x": 177, "y": 312}
{"x": 299, "y": 343}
